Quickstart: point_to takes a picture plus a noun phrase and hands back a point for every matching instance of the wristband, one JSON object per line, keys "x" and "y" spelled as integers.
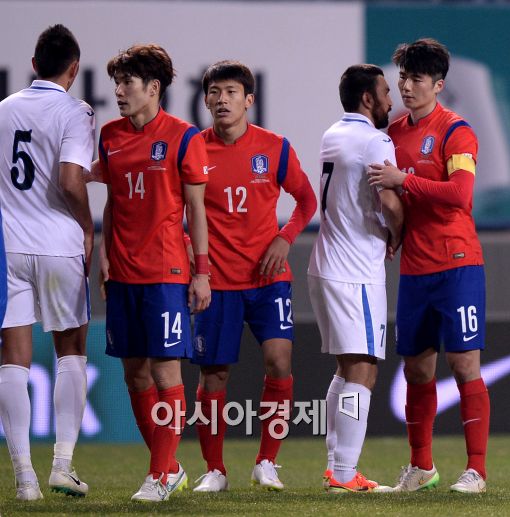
{"x": 201, "y": 264}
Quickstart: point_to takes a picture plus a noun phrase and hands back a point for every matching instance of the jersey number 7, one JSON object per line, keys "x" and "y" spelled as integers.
{"x": 327, "y": 169}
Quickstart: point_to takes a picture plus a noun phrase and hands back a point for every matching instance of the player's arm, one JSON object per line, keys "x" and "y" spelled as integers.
{"x": 393, "y": 213}
{"x": 199, "y": 290}
{"x": 298, "y": 186}
{"x": 95, "y": 173}
{"x": 75, "y": 193}
{"x": 106, "y": 240}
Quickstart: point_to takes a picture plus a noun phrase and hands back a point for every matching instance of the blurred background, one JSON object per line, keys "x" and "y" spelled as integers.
{"x": 298, "y": 50}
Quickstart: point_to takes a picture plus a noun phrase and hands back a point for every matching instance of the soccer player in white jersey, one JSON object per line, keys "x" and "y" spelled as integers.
{"x": 46, "y": 140}
{"x": 346, "y": 276}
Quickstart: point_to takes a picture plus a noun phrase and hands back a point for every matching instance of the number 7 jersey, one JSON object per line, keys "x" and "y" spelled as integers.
{"x": 40, "y": 127}
{"x": 146, "y": 170}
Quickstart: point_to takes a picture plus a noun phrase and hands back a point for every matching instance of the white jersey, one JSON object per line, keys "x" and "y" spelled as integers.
{"x": 351, "y": 245}
{"x": 40, "y": 127}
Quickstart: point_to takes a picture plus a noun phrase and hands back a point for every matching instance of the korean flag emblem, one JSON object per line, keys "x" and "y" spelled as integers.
{"x": 260, "y": 164}
{"x": 158, "y": 151}
{"x": 427, "y": 145}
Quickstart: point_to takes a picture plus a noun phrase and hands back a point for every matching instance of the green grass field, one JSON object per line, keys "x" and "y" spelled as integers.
{"x": 114, "y": 473}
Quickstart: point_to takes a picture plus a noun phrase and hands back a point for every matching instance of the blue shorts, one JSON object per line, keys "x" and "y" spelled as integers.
{"x": 147, "y": 320}
{"x": 441, "y": 308}
{"x": 218, "y": 330}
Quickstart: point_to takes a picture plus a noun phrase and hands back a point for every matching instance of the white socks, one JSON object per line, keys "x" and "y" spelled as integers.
{"x": 350, "y": 432}
{"x": 335, "y": 388}
{"x": 69, "y": 399}
{"x": 15, "y": 413}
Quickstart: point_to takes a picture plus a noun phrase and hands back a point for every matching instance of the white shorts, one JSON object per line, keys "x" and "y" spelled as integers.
{"x": 351, "y": 317}
{"x": 53, "y": 290}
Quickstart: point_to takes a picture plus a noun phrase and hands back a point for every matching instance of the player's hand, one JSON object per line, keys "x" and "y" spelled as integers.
{"x": 88, "y": 244}
{"x": 273, "y": 262}
{"x": 386, "y": 176}
{"x": 104, "y": 274}
{"x": 199, "y": 293}
{"x": 392, "y": 246}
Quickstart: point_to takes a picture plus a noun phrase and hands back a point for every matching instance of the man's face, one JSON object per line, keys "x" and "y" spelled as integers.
{"x": 418, "y": 91}
{"x": 382, "y": 103}
{"x": 227, "y": 102}
{"x": 133, "y": 96}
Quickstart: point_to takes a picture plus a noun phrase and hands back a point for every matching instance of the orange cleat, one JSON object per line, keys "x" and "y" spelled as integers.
{"x": 359, "y": 483}
{"x": 328, "y": 474}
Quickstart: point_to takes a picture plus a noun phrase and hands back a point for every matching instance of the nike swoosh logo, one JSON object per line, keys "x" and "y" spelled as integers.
{"x": 447, "y": 391}
{"x": 114, "y": 152}
{"x": 168, "y": 345}
{"x": 90, "y": 113}
{"x": 211, "y": 168}
{"x": 466, "y": 339}
{"x": 285, "y": 327}
{"x": 386, "y": 139}
{"x": 77, "y": 481}
{"x": 470, "y": 420}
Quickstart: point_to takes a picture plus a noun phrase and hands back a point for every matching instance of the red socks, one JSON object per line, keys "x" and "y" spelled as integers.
{"x": 475, "y": 413}
{"x": 279, "y": 391}
{"x": 421, "y": 408}
{"x": 165, "y": 438}
{"x": 142, "y": 403}
{"x": 212, "y": 444}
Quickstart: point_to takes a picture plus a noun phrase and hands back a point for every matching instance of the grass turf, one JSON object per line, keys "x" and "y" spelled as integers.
{"x": 115, "y": 472}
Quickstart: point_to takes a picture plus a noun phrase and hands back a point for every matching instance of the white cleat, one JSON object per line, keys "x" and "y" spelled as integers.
{"x": 152, "y": 490}
{"x": 67, "y": 483}
{"x": 470, "y": 482}
{"x": 28, "y": 491}
{"x": 412, "y": 479}
{"x": 177, "y": 481}
{"x": 265, "y": 475}
{"x": 213, "y": 481}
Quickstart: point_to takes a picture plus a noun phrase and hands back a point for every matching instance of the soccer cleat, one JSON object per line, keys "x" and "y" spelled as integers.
{"x": 67, "y": 483}
{"x": 359, "y": 483}
{"x": 412, "y": 479}
{"x": 152, "y": 490}
{"x": 213, "y": 481}
{"x": 326, "y": 477}
{"x": 28, "y": 491}
{"x": 177, "y": 481}
{"x": 264, "y": 474}
{"x": 470, "y": 482}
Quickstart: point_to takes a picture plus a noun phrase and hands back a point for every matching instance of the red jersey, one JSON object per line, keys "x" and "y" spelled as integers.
{"x": 439, "y": 227}
{"x": 240, "y": 200}
{"x": 146, "y": 170}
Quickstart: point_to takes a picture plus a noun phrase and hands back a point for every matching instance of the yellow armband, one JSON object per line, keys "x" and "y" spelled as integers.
{"x": 461, "y": 161}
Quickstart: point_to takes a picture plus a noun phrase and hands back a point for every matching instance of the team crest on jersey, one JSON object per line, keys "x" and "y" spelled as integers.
{"x": 158, "y": 151}
{"x": 260, "y": 164}
{"x": 427, "y": 145}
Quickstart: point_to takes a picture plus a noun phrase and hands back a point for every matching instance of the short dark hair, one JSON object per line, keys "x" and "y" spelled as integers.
{"x": 355, "y": 81}
{"x": 147, "y": 62}
{"x": 229, "y": 70}
{"x": 425, "y": 56}
{"x": 55, "y": 50}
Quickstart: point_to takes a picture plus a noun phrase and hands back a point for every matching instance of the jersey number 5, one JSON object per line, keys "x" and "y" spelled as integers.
{"x": 28, "y": 164}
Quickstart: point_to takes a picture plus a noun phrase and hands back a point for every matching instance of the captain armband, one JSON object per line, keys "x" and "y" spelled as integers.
{"x": 463, "y": 162}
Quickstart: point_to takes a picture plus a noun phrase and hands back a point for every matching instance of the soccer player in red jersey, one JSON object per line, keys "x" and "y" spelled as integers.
{"x": 155, "y": 165}
{"x": 442, "y": 283}
{"x": 250, "y": 276}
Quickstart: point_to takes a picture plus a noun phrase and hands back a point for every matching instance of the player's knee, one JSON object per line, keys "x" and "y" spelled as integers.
{"x": 277, "y": 366}
{"x": 214, "y": 379}
{"x": 138, "y": 381}
{"x": 417, "y": 374}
